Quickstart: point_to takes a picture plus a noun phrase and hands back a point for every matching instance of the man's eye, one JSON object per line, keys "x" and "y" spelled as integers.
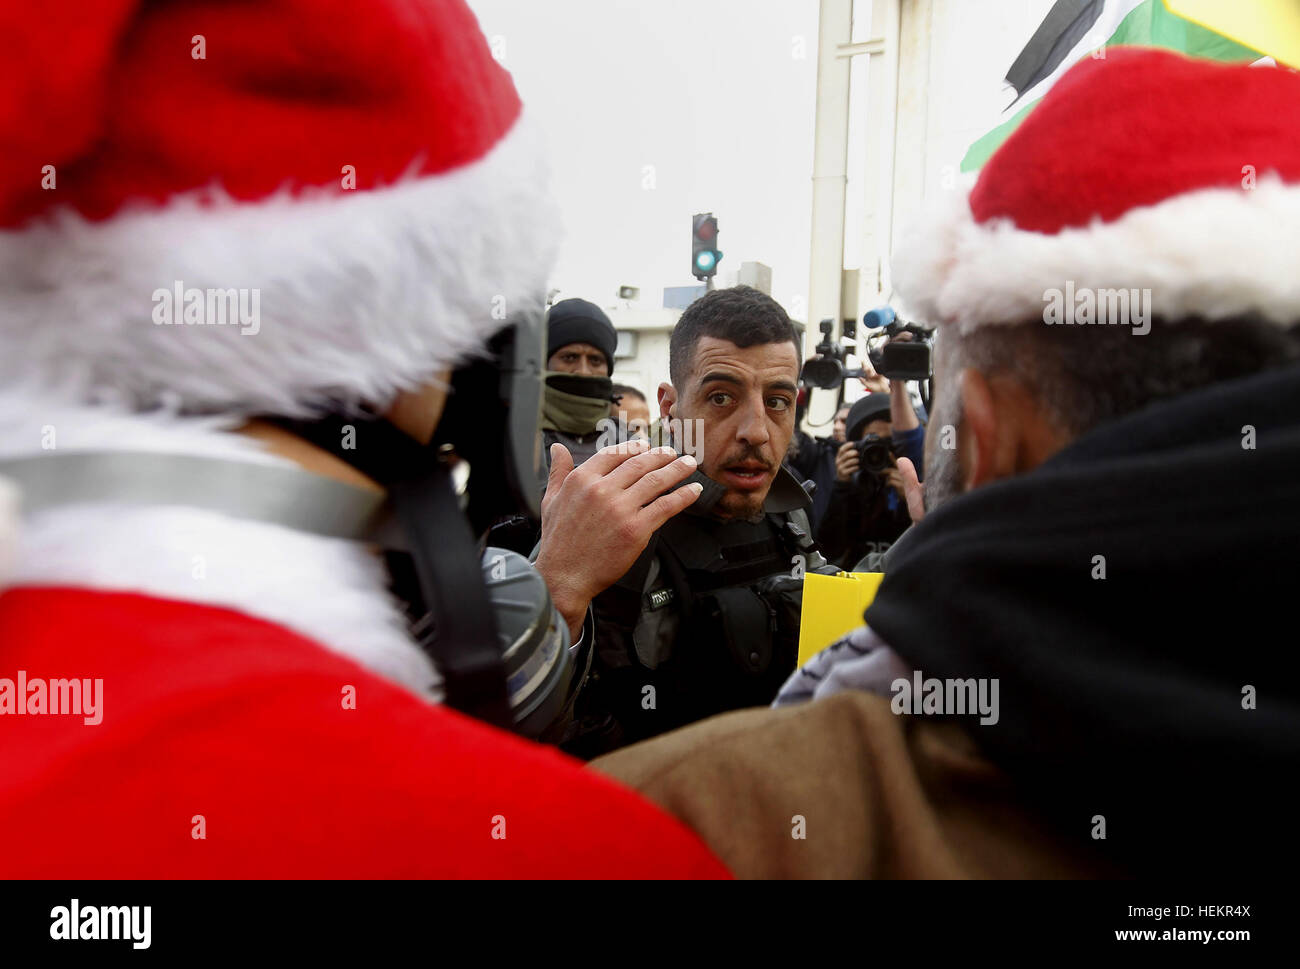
{"x": 778, "y": 403}
{"x": 719, "y": 399}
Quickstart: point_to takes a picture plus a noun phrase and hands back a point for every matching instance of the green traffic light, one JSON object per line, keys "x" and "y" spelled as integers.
{"x": 705, "y": 261}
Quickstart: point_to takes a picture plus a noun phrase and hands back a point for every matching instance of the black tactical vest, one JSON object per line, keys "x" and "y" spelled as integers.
{"x": 734, "y": 590}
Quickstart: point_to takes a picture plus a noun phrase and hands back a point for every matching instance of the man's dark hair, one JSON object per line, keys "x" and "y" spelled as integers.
{"x": 622, "y": 390}
{"x": 1085, "y": 376}
{"x": 741, "y": 314}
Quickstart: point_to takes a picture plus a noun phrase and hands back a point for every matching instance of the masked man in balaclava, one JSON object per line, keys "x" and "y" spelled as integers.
{"x": 580, "y": 345}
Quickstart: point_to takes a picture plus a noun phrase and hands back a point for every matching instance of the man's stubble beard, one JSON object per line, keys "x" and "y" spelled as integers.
{"x": 735, "y": 504}
{"x": 748, "y": 509}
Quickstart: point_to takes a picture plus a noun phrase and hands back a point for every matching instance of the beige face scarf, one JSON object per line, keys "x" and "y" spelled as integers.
{"x": 579, "y": 406}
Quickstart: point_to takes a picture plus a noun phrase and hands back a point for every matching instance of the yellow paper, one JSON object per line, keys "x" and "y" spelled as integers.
{"x": 833, "y": 605}
{"x": 1269, "y": 26}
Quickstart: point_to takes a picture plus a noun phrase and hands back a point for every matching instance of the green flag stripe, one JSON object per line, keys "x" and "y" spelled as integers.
{"x": 983, "y": 150}
{"x": 1150, "y": 24}
{"x": 1154, "y": 25}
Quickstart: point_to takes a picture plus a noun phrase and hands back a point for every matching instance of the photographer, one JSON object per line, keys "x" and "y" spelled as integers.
{"x": 813, "y": 459}
{"x": 867, "y": 510}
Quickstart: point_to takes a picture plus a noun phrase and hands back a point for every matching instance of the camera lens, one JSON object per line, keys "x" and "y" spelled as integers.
{"x": 873, "y": 454}
{"x": 824, "y": 372}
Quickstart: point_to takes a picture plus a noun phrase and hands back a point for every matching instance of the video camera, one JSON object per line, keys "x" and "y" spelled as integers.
{"x": 910, "y": 360}
{"x": 826, "y": 370}
{"x": 894, "y": 360}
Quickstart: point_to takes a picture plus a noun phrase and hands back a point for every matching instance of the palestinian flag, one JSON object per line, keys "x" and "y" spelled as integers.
{"x": 1220, "y": 30}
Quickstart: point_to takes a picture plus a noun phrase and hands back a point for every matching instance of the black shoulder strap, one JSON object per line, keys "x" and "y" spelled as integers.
{"x": 464, "y": 646}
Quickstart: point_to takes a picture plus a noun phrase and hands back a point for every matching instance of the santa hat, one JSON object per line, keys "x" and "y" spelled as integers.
{"x": 1141, "y": 170}
{"x": 357, "y": 179}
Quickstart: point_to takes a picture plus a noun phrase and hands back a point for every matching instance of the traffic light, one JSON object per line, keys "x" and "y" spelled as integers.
{"x": 704, "y": 246}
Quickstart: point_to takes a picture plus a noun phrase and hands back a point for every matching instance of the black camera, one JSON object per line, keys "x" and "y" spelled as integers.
{"x": 875, "y": 456}
{"x": 910, "y": 360}
{"x": 826, "y": 370}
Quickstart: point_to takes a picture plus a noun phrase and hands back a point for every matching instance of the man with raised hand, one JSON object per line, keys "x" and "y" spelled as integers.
{"x": 707, "y": 618}
{"x": 1073, "y": 664}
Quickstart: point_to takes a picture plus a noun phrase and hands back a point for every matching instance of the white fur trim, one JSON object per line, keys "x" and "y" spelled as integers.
{"x": 8, "y": 529}
{"x": 33, "y": 419}
{"x": 332, "y": 591}
{"x": 360, "y": 296}
{"x": 329, "y": 590}
{"x": 1214, "y": 253}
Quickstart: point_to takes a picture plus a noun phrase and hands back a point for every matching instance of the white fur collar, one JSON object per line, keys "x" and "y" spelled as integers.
{"x": 330, "y": 590}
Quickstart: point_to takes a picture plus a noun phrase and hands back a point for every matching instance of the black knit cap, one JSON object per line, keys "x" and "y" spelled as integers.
{"x": 578, "y": 321}
{"x": 872, "y": 407}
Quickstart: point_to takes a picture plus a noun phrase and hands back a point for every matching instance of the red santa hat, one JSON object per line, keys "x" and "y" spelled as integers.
{"x": 1142, "y": 170}
{"x": 358, "y": 177}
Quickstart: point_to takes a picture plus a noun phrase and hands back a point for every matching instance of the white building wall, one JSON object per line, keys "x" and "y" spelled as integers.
{"x": 648, "y": 367}
{"x": 930, "y": 86}
{"x": 953, "y": 56}
{"x": 927, "y": 81}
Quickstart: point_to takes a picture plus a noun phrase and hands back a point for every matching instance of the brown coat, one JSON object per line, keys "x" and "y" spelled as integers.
{"x": 880, "y": 795}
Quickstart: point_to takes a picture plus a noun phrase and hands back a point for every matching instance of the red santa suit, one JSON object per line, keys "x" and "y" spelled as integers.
{"x": 187, "y": 693}
{"x": 229, "y": 747}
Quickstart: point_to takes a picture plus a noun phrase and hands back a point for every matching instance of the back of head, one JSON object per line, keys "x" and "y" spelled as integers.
{"x": 1114, "y": 273}
{"x": 1105, "y": 270}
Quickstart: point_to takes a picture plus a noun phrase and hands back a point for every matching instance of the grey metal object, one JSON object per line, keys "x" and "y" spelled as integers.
{"x": 534, "y": 640}
{"x": 271, "y": 493}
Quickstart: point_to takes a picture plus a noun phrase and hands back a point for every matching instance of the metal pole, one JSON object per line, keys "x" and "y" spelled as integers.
{"x": 830, "y": 164}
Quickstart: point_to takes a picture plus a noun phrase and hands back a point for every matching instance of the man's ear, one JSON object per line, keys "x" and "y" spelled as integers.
{"x": 667, "y": 398}
{"x": 980, "y": 448}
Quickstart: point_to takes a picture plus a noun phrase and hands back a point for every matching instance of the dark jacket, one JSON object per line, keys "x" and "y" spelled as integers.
{"x": 581, "y": 446}
{"x": 1132, "y": 596}
{"x": 706, "y": 620}
{"x": 859, "y": 522}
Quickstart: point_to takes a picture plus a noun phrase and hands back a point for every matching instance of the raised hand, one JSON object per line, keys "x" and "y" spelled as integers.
{"x": 597, "y": 518}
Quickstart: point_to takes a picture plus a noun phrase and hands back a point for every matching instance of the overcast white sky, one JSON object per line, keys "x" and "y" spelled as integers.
{"x": 712, "y": 93}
